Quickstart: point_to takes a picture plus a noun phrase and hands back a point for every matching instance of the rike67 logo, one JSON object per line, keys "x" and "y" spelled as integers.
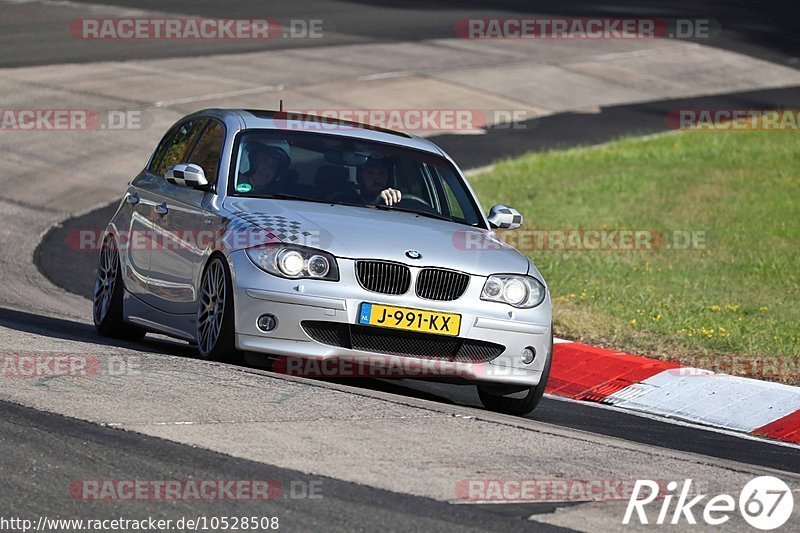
{"x": 765, "y": 503}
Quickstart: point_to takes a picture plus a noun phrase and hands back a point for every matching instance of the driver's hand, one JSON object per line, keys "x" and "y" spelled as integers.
{"x": 391, "y": 196}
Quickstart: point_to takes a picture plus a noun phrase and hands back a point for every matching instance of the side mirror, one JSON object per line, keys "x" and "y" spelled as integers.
{"x": 186, "y": 175}
{"x": 504, "y": 217}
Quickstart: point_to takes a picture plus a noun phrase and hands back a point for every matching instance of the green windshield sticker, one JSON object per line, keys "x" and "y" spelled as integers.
{"x": 244, "y": 187}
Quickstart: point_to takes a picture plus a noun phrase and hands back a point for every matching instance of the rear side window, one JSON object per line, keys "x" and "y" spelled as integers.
{"x": 173, "y": 151}
{"x": 158, "y": 156}
{"x": 208, "y": 150}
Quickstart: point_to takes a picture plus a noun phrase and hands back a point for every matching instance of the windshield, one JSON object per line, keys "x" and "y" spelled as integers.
{"x": 343, "y": 170}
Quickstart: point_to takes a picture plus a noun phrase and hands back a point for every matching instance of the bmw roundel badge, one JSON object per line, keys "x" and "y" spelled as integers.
{"x": 413, "y": 254}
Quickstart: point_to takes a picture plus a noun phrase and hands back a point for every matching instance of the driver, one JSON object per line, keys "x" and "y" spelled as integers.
{"x": 374, "y": 180}
{"x": 268, "y": 164}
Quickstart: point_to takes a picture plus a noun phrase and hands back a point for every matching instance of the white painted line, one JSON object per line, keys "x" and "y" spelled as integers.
{"x": 94, "y": 7}
{"x": 628, "y": 394}
{"x": 730, "y": 402}
{"x": 479, "y": 170}
{"x": 629, "y": 54}
{"x": 675, "y": 421}
{"x": 204, "y": 97}
{"x": 384, "y": 75}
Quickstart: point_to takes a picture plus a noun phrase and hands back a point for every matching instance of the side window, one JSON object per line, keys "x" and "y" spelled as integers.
{"x": 158, "y": 156}
{"x": 452, "y": 201}
{"x": 461, "y": 206}
{"x": 208, "y": 150}
{"x": 175, "y": 150}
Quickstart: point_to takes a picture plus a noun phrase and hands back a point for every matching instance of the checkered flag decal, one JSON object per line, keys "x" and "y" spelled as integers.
{"x": 186, "y": 174}
{"x": 505, "y": 217}
{"x": 274, "y": 228}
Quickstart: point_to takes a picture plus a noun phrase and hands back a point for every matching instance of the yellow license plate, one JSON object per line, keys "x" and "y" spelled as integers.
{"x": 387, "y": 316}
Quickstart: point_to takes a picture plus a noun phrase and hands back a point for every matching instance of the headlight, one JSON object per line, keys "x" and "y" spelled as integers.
{"x": 290, "y": 262}
{"x": 296, "y": 262}
{"x": 523, "y": 292}
{"x": 318, "y": 266}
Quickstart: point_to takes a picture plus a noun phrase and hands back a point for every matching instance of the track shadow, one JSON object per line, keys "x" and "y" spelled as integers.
{"x": 73, "y": 330}
{"x": 568, "y": 130}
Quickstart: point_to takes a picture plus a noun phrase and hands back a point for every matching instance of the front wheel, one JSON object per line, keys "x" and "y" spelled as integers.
{"x": 107, "y": 298}
{"x": 215, "y": 315}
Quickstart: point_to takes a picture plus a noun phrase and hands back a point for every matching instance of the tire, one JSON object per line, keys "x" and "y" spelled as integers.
{"x": 518, "y": 406}
{"x": 109, "y": 289}
{"x": 216, "y": 338}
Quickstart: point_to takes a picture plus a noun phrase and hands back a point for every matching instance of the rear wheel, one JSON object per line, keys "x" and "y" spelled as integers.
{"x": 107, "y": 299}
{"x": 517, "y": 402}
{"x": 215, "y": 315}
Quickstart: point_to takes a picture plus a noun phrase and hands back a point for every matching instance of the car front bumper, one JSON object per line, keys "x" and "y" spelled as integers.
{"x": 294, "y": 301}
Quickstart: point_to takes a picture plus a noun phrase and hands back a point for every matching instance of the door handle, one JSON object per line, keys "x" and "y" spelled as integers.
{"x": 162, "y": 208}
{"x": 132, "y": 198}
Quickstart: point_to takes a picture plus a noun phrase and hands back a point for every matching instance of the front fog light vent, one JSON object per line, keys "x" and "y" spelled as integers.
{"x": 267, "y": 323}
{"x": 528, "y": 355}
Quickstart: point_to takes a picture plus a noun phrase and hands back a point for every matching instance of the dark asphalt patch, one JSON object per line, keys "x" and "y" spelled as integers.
{"x": 38, "y": 35}
{"x": 44, "y": 454}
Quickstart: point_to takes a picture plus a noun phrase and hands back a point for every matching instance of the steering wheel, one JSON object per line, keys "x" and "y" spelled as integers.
{"x": 343, "y": 196}
{"x": 412, "y": 200}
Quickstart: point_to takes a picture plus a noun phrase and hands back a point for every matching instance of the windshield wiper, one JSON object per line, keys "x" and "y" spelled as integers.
{"x": 413, "y": 212}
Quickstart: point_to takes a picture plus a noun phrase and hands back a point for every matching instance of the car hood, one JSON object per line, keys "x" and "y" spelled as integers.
{"x": 363, "y": 233}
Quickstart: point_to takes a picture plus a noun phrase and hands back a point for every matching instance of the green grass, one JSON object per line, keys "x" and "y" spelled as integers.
{"x": 739, "y": 296}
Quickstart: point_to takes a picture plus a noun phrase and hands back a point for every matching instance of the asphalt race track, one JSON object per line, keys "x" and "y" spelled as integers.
{"x": 385, "y": 454}
{"x": 558, "y": 412}
{"x": 47, "y": 449}
{"x": 767, "y": 32}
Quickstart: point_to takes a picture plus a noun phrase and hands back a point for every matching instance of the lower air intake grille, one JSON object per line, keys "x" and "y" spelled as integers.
{"x": 409, "y": 344}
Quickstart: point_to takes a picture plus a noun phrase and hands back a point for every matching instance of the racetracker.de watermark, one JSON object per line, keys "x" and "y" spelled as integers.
{"x": 170, "y": 490}
{"x": 195, "y": 240}
{"x": 544, "y": 490}
{"x": 461, "y": 120}
{"x": 43, "y": 119}
{"x": 210, "y": 29}
{"x": 773, "y": 368}
{"x": 387, "y": 366}
{"x": 575, "y": 239}
{"x": 36, "y": 366}
{"x": 734, "y": 119}
{"x": 597, "y": 28}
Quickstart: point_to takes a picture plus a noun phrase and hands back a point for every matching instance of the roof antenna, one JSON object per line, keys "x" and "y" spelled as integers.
{"x": 281, "y": 109}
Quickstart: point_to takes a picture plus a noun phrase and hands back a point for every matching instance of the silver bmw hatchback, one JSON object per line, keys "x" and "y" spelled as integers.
{"x": 307, "y": 240}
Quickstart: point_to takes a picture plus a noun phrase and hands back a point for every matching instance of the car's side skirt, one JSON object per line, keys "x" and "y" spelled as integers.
{"x": 148, "y": 317}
